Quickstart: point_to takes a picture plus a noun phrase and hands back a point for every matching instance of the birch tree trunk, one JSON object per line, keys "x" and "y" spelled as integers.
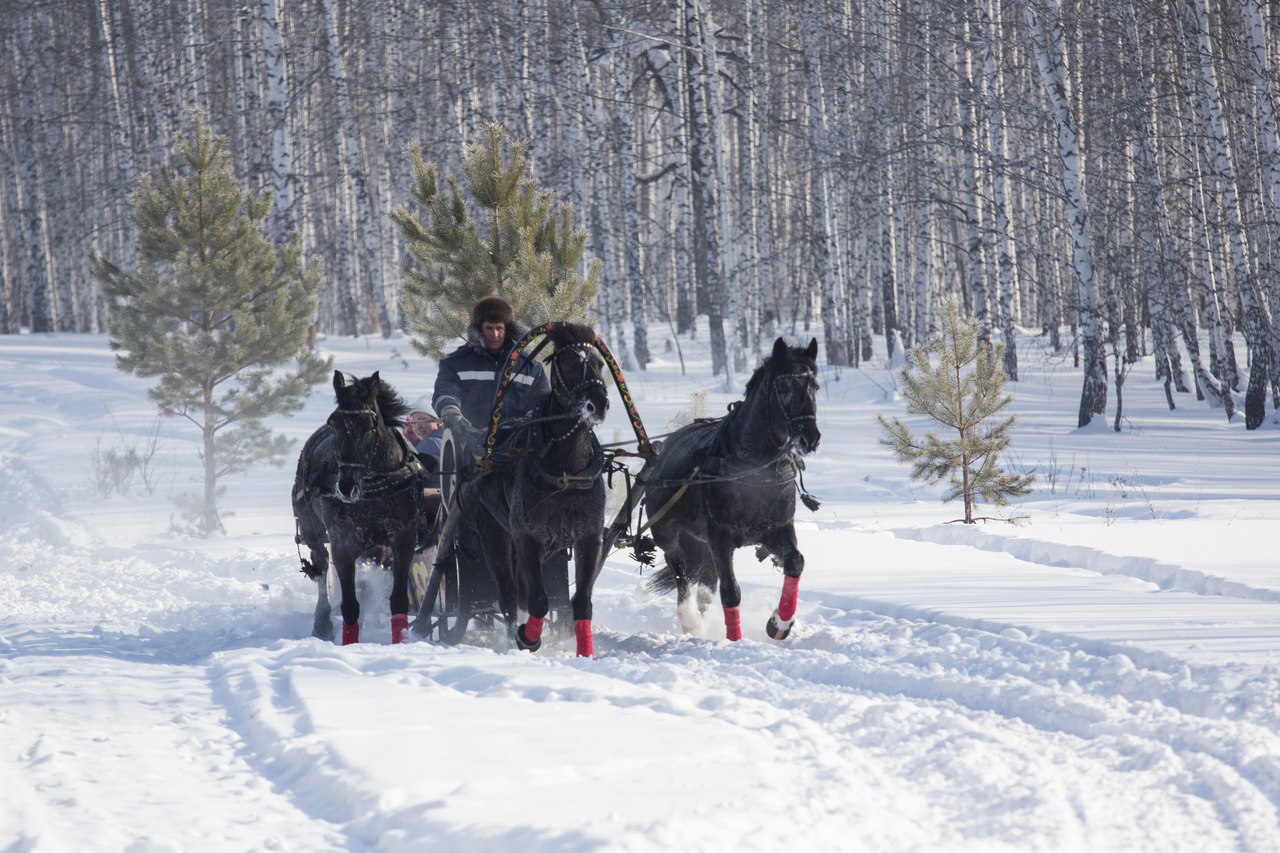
{"x": 283, "y": 180}
{"x": 33, "y": 224}
{"x": 758, "y": 227}
{"x": 971, "y": 98}
{"x": 1269, "y": 153}
{"x": 827, "y": 282}
{"x": 702, "y": 175}
{"x": 1045, "y": 24}
{"x": 997, "y": 144}
{"x": 366, "y": 225}
{"x": 1256, "y": 313}
{"x": 624, "y": 141}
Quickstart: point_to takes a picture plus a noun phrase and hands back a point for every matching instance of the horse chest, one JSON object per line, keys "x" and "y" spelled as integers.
{"x": 558, "y": 517}
{"x": 746, "y": 509}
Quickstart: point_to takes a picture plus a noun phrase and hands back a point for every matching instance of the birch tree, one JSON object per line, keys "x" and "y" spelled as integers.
{"x": 1254, "y": 308}
{"x": 1044, "y": 22}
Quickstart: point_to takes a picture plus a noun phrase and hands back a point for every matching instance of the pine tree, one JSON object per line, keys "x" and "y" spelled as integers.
{"x": 963, "y": 390}
{"x": 522, "y": 246}
{"x": 212, "y": 310}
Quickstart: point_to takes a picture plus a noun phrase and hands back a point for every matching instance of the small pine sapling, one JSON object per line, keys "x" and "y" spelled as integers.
{"x": 958, "y": 382}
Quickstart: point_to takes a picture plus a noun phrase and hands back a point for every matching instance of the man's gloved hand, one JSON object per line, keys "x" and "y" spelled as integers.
{"x": 461, "y": 427}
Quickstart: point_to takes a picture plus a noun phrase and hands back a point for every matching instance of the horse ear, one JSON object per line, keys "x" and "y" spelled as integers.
{"x": 337, "y": 380}
{"x": 375, "y": 384}
{"x": 812, "y": 351}
{"x": 779, "y": 348}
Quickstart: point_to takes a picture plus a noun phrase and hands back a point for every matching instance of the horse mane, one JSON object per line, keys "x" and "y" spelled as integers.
{"x": 774, "y": 361}
{"x": 390, "y": 403}
{"x": 570, "y": 334}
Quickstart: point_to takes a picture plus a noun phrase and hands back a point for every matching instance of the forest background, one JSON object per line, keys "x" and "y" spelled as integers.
{"x": 1105, "y": 172}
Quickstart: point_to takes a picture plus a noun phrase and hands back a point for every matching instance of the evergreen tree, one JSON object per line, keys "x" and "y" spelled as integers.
{"x": 522, "y": 246}
{"x": 212, "y": 310}
{"x": 963, "y": 391}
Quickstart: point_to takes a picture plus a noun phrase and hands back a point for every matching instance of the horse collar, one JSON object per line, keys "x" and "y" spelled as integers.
{"x": 563, "y": 480}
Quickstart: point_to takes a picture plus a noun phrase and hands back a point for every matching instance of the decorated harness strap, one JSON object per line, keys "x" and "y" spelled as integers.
{"x": 510, "y": 374}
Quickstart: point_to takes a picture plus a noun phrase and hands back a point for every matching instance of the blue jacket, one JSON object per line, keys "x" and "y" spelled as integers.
{"x": 468, "y": 378}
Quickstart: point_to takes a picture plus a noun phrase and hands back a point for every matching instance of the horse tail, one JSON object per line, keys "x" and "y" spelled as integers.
{"x": 663, "y": 581}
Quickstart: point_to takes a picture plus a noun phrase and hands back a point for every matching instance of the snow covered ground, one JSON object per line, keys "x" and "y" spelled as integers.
{"x": 1104, "y": 676}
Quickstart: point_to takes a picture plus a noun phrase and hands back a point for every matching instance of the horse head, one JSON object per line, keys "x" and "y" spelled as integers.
{"x": 358, "y": 431}
{"x": 792, "y": 389}
{"x": 577, "y": 375}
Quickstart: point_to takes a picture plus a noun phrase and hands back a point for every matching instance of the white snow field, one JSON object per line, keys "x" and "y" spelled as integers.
{"x": 1102, "y": 676}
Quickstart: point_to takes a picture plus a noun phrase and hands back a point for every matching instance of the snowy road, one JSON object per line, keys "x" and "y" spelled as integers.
{"x": 1102, "y": 677}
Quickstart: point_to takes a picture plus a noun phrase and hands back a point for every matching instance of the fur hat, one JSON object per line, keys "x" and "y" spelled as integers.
{"x": 492, "y": 309}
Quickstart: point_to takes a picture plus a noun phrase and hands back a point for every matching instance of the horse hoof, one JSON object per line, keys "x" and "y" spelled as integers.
{"x": 523, "y": 642}
{"x": 778, "y": 629}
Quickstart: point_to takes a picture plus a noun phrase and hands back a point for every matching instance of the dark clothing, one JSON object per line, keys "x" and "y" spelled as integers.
{"x": 468, "y": 378}
{"x": 430, "y": 446}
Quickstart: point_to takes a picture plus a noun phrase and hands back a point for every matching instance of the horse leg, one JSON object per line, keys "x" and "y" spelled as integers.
{"x": 322, "y": 626}
{"x": 344, "y": 560}
{"x": 781, "y": 543}
{"x": 402, "y": 564}
{"x": 720, "y": 550}
{"x": 687, "y": 557}
{"x": 528, "y": 567}
{"x": 586, "y": 568}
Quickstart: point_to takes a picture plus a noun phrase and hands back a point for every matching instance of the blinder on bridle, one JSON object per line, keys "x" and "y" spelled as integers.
{"x": 590, "y": 373}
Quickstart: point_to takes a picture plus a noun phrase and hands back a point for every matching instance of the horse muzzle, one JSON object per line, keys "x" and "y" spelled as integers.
{"x": 593, "y": 411}
{"x": 807, "y": 441}
{"x": 348, "y": 492}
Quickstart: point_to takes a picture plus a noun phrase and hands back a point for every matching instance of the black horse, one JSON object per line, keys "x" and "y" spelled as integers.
{"x": 358, "y": 485}
{"x": 550, "y": 495}
{"x": 720, "y": 484}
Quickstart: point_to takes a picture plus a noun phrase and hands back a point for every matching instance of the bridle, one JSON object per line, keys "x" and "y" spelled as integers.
{"x": 374, "y": 421}
{"x": 567, "y": 396}
{"x": 790, "y": 430}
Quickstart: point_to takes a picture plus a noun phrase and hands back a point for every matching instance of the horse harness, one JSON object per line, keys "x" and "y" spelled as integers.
{"x": 381, "y": 484}
{"x": 714, "y": 465}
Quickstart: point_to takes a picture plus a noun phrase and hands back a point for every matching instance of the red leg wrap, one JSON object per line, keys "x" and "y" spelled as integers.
{"x": 787, "y": 604}
{"x": 732, "y": 623}
{"x": 399, "y": 624}
{"x": 350, "y": 634}
{"x": 533, "y": 629}
{"x": 582, "y": 630}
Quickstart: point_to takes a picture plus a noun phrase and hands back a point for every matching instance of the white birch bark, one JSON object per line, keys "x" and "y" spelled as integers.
{"x": 283, "y": 180}
{"x": 33, "y": 223}
{"x": 977, "y": 235}
{"x": 1256, "y": 43}
{"x": 758, "y": 228}
{"x": 1044, "y": 21}
{"x": 366, "y": 224}
{"x": 702, "y": 172}
{"x": 1253, "y": 305}
{"x": 1263, "y": 85}
{"x": 997, "y": 144}
{"x": 825, "y": 279}
{"x": 731, "y": 287}
{"x": 194, "y": 71}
